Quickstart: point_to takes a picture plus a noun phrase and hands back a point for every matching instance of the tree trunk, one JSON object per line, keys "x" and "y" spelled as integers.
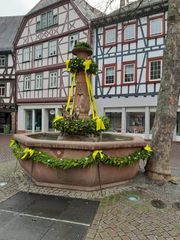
{"x": 158, "y": 167}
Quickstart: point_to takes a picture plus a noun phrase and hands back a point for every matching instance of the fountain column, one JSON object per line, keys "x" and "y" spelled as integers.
{"x": 81, "y": 99}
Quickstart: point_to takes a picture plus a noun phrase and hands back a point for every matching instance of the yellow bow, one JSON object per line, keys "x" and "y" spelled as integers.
{"x": 67, "y": 65}
{"x": 57, "y": 118}
{"x": 12, "y": 142}
{"x": 26, "y": 152}
{"x": 96, "y": 152}
{"x": 99, "y": 124}
{"x": 148, "y": 148}
{"x": 87, "y": 64}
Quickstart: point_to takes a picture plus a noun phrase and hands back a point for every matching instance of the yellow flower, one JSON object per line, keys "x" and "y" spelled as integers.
{"x": 12, "y": 142}
{"x": 27, "y": 153}
{"x": 98, "y": 152}
{"x": 148, "y": 148}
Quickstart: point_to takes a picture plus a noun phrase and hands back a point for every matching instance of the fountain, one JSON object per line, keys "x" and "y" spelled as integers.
{"x": 77, "y": 161}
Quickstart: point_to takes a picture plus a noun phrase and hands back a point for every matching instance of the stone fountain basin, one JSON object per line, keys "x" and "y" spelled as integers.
{"x": 80, "y": 179}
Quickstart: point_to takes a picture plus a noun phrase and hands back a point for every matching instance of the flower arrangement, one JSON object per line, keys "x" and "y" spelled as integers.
{"x": 75, "y": 126}
{"x": 82, "y": 45}
{"x": 96, "y": 157}
{"x": 75, "y": 65}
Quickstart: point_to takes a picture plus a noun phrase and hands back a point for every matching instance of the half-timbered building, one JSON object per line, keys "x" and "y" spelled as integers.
{"x": 129, "y": 52}
{"x": 8, "y": 30}
{"x": 43, "y": 43}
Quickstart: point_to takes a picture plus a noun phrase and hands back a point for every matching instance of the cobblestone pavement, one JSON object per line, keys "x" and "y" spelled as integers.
{"x": 117, "y": 218}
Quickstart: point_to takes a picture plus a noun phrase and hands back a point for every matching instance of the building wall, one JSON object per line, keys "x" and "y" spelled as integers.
{"x": 127, "y": 103}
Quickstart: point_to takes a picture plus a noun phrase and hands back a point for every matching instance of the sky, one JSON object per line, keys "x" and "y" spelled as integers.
{"x": 21, "y": 7}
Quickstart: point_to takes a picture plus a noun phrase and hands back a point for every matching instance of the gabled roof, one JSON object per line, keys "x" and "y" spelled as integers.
{"x": 137, "y": 5}
{"x": 87, "y": 10}
{"x": 8, "y": 29}
{"x": 132, "y": 10}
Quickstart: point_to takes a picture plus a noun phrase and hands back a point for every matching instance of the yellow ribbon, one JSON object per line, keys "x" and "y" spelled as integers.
{"x": 96, "y": 152}
{"x": 71, "y": 92}
{"x": 26, "y": 152}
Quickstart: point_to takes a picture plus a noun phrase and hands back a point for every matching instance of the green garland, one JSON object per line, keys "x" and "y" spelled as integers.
{"x": 73, "y": 126}
{"x": 45, "y": 158}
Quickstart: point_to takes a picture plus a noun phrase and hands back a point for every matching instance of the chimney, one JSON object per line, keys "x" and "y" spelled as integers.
{"x": 124, "y": 3}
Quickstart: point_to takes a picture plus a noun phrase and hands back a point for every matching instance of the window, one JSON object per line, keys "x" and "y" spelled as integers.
{"x": 115, "y": 120}
{"x": 51, "y": 116}
{"x": 47, "y": 20}
{"x": 2, "y": 61}
{"x": 38, "y": 51}
{"x": 53, "y": 79}
{"x": 156, "y": 27}
{"x": 2, "y": 90}
{"x": 154, "y": 70}
{"x": 44, "y": 20}
{"x": 38, "y": 119}
{"x": 55, "y": 19}
{"x": 38, "y": 81}
{"x": 38, "y": 26}
{"x": 129, "y": 32}
{"x": 28, "y": 119}
{"x": 135, "y": 122}
{"x": 52, "y": 48}
{"x": 73, "y": 39}
{"x": 27, "y": 82}
{"x": 128, "y": 72}
{"x": 109, "y": 72}
{"x": 50, "y": 19}
{"x": 26, "y": 55}
{"x": 110, "y": 37}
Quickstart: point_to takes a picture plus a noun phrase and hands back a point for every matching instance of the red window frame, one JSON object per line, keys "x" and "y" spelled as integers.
{"x": 104, "y": 75}
{"x": 104, "y": 37}
{"x": 150, "y": 36}
{"x": 124, "y": 41}
{"x": 149, "y": 60}
{"x": 135, "y": 73}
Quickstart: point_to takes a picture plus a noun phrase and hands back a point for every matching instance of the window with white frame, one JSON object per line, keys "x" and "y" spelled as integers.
{"x": 38, "y": 81}
{"x": 47, "y": 20}
{"x": 52, "y": 48}
{"x": 2, "y": 61}
{"x": 156, "y": 26}
{"x": 110, "y": 36}
{"x": 2, "y": 90}
{"x": 50, "y": 19}
{"x": 155, "y": 69}
{"x": 109, "y": 75}
{"x": 38, "y": 51}
{"x": 26, "y": 55}
{"x": 53, "y": 79}
{"x": 129, "y": 32}
{"x": 73, "y": 39}
{"x": 129, "y": 73}
{"x": 27, "y": 82}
